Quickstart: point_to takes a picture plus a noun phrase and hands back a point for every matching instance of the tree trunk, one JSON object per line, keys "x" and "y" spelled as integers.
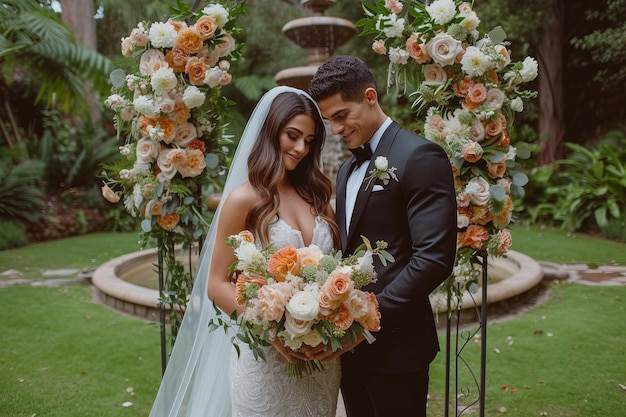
{"x": 551, "y": 75}
{"x": 79, "y": 16}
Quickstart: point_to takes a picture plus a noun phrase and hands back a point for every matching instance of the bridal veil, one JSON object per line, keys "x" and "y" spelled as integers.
{"x": 196, "y": 381}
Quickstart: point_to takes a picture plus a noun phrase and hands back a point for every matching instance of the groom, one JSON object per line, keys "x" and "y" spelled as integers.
{"x": 415, "y": 215}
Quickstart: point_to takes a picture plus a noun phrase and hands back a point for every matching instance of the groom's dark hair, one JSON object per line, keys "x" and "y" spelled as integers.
{"x": 342, "y": 74}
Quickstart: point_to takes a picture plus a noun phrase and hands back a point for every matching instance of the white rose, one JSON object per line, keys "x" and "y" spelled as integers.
{"x": 529, "y": 70}
{"x": 477, "y": 189}
{"x": 462, "y": 221}
{"x": 435, "y": 73}
{"x": 296, "y": 327}
{"x": 517, "y": 104}
{"x": 495, "y": 97}
{"x": 168, "y": 168}
{"x": 212, "y": 77}
{"x": 381, "y": 163}
{"x": 303, "y": 306}
{"x": 443, "y": 49}
{"x": 184, "y": 133}
{"x": 398, "y": 56}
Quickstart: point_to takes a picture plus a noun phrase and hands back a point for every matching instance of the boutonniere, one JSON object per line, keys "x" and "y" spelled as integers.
{"x": 381, "y": 171}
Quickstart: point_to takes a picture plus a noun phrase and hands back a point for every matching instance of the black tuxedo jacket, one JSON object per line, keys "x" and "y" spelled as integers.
{"x": 416, "y": 216}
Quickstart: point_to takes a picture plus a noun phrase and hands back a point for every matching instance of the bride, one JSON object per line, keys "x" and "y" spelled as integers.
{"x": 275, "y": 189}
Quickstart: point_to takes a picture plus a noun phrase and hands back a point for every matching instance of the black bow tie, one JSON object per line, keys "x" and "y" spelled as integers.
{"x": 362, "y": 154}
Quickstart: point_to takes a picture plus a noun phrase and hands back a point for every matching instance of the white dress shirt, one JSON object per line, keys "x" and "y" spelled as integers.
{"x": 355, "y": 180}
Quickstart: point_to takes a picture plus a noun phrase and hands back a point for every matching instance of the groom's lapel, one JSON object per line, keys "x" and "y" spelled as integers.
{"x": 340, "y": 204}
{"x": 363, "y": 195}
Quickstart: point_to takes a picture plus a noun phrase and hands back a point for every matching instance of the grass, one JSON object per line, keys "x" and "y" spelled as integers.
{"x": 63, "y": 355}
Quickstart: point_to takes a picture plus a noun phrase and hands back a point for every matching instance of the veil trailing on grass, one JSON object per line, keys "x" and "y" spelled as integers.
{"x": 196, "y": 380}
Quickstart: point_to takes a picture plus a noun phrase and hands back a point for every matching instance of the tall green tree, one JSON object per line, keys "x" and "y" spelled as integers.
{"x": 42, "y": 64}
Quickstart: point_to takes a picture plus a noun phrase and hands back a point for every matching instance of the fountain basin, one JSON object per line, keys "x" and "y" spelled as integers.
{"x": 129, "y": 284}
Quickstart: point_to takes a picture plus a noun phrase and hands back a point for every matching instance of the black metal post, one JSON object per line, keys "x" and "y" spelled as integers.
{"x": 162, "y": 310}
{"x": 483, "y": 338}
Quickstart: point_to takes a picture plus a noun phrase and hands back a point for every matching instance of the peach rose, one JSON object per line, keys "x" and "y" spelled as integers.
{"x": 341, "y": 318}
{"x": 327, "y": 304}
{"x": 310, "y": 255}
{"x": 504, "y": 241}
{"x": 283, "y": 262}
{"x": 206, "y": 27}
{"x": 378, "y": 46}
{"x": 477, "y": 93}
{"x": 371, "y": 321}
{"x": 109, "y": 195}
{"x": 434, "y": 73}
{"x": 271, "y": 303}
{"x": 357, "y": 303}
{"x": 493, "y": 128}
{"x": 472, "y": 152}
{"x": 394, "y": 6}
{"x": 225, "y": 46}
{"x": 338, "y": 286}
{"x": 475, "y": 236}
{"x": 416, "y": 49}
{"x": 178, "y": 24}
{"x": 189, "y": 40}
{"x": 196, "y": 68}
{"x": 496, "y": 169}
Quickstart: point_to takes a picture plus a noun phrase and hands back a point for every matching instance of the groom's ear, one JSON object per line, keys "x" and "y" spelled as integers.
{"x": 370, "y": 95}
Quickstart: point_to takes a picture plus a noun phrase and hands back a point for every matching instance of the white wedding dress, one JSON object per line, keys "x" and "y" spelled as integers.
{"x": 262, "y": 388}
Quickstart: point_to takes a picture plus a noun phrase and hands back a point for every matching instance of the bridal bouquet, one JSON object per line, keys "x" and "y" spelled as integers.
{"x": 302, "y": 297}
{"x": 469, "y": 89}
{"x": 170, "y": 116}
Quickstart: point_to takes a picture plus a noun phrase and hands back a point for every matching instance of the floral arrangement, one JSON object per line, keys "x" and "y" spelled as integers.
{"x": 171, "y": 116}
{"x": 469, "y": 89}
{"x": 302, "y": 296}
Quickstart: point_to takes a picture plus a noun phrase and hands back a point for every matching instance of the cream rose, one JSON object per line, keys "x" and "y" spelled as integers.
{"x": 381, "y": 163}
{"x": 435, "y": 73}
{"x": 184, "y": 133}
{"x": 296, "y": 327}
{"x": 147, "y": 150}
{"x": 303, "y": 306}
{"x": 443, "y": 49}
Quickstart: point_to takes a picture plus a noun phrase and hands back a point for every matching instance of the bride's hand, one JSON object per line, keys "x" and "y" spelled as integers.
{"x": 284, "y": 350}
{"x": 325, "y": 354}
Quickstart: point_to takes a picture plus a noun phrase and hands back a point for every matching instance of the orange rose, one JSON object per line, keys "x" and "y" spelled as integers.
{"x": 144, "y": 123}
{"x": 283, "y": 262}
{"x": 475, "y": 236}
{"x": 189, "y": 40}
{"x": 206, "y": 27}
{"x": 196, "y": 68}
{"x": 181, "y": 112}
{"x": 197, "y": 144}
{"x": 176, "y": 58}
{"x": 168, "y": 221}
{"x": 493, "y": 128}
{"x": 246, "y": 235}
{"x": 193, "y": 164}
{"x": 341, "y": 318}
{"x": 496, "y": 169}
{"x": 167, "y": 127}
{"x": 505, "y": 140}
{"x": 242, "y": 284}
{"x": 502, "y": 218}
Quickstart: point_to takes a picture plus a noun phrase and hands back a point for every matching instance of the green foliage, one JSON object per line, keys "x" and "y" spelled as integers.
{"x": 20, "y": 193}
{"x": 606, "y": 43}
{"x": 586, "y": 190}
{"x": 11, "y": 235}
{"x": 35, "y": 43}
{"x": 72, "y": 154}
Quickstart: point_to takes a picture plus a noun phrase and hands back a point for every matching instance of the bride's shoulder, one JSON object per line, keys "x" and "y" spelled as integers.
{"x": 242, "y": 196}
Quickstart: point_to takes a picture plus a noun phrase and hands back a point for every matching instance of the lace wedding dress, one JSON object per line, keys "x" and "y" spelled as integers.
{"x": 262, "y": 388}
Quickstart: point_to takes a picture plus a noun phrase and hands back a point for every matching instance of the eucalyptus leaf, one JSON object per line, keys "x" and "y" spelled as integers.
{"x": 146, "y": 225}
{"x": 497, "y": 192}
{"x": 118, "y": 77}
{"x": 497, "y": 35}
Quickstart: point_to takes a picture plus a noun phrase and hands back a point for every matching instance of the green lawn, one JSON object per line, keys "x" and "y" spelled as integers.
{"x": 64, "y": 355}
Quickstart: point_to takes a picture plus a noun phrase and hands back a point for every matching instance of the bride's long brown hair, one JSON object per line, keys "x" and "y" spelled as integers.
{"x": 266, "y": 169}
